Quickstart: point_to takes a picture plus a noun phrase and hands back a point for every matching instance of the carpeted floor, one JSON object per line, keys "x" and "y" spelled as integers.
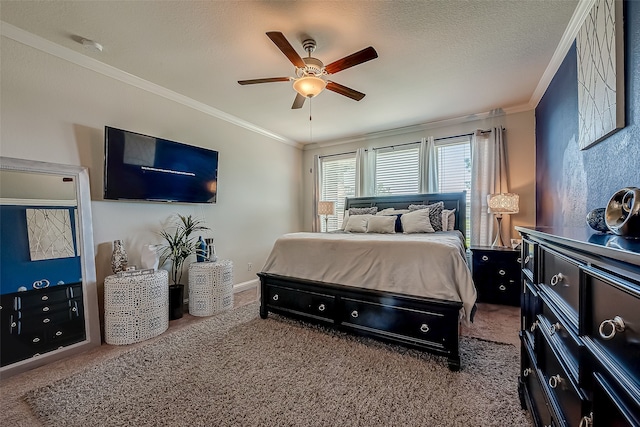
{"x": 278, "y": 372}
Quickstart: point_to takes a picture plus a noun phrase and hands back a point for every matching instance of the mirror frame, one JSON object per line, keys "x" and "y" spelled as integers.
{"x": 87, "y": 262}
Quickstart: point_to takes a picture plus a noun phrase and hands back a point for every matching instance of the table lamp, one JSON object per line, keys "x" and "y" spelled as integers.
{"x": 326, "y": 208}
{"x": 502, "y": 204}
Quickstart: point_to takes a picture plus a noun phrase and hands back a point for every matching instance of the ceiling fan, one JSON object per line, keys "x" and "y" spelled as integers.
{"x": 310, "y": 72}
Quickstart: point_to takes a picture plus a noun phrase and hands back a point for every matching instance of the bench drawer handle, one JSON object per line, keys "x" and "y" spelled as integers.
{"x": 321, "y": 307}
{"x": 617, "y": 325}
{"x": 424, "y": 328}
{"x": 554, "y": 328}
{"x": 527, "y": 372}
{"x": 485, "y": 258}
{"x": 354, "y": 313}
{"x": 275, "y": 297}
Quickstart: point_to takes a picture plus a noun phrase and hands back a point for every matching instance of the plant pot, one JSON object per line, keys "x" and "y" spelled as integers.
{"x": 176, "y": 301}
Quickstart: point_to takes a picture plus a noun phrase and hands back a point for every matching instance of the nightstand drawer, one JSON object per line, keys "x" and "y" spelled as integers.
{"x": 496, "y": 274}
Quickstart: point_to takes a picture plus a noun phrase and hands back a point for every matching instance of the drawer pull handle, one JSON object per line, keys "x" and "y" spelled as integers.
{"x": 36, "y": 339}
{"x": 424, "y": 328}
{"x": 557, "y": 278}
{"x": 74, "y": 309}
{"x": 45, "y": 308}
{"x": 354, "y": 313}
{"x": 617, "y": 325}
{"x": 321, "y": 307}
{"x": 527, "y": 259}
{"x": 534, "y": 325}
{"x": 58, "y": 333}
{"x": 586, "y": 421}
{"x": 485, "y": 258}
{"x": 554, "y": 381}
{"x": 275, "y": 297}
{"x": 502, "y": 272}
{"x": 47, "y": 320}
{"x": 527, "y": 372}
{"x": 519, "y": 260}
{"x": 45, "y": 298}
{"x": 502, "y": 288}
{"x": 554, "y": 328}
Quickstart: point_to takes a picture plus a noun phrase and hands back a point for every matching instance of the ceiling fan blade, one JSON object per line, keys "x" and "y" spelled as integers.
{"x": 366, "y": 54}
{"x": 346, "y": 91}
{"x": 279, "y": 39}
{"x": 298, "y": 102}
{"x": 268, "y": 80}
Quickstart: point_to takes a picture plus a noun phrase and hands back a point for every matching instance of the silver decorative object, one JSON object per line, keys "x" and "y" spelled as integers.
{"x": 622, "y": 214}
{"x": 119, "y": 258}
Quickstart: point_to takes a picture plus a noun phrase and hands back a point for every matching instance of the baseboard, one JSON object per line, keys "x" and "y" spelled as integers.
{"x": 251, "y": 284}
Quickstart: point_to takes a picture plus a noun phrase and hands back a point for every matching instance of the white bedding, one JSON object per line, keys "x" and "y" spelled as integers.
{"x": 427, "y": 264}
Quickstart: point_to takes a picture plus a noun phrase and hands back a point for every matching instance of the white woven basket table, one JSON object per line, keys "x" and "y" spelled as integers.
{"x": 136, "y": 308}
{"x": 210, "y": 287}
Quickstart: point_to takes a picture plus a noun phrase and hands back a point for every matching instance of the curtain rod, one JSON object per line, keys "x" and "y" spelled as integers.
{"x": 411, "y": 143}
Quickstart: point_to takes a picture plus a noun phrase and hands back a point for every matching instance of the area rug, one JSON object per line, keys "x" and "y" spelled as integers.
{"x": 236, "y": 369}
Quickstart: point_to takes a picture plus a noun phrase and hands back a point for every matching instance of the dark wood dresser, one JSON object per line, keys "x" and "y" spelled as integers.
{"x": 580, "y": 332}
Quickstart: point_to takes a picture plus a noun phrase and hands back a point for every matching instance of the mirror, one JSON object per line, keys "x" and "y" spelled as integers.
{"x": 48, "y": 294}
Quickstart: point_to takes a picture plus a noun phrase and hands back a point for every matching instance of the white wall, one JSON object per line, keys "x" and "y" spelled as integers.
{"x": 520, "y": 147}
{"x": 55, "y": 111}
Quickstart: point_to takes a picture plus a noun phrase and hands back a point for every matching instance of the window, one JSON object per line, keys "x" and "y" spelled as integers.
{"x": 454, "y": 170}
{"x": 337, "y": 181}
{"x": 397, "y": 170}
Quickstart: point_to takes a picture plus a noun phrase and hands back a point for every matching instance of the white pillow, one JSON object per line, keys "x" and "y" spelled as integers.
{"x": 381, "y": 224}
{"x": 448, "y": 219}
{"x": 345, "y": 219}
{"x": 417, "y": 222}
{"x": 357, "y": 223}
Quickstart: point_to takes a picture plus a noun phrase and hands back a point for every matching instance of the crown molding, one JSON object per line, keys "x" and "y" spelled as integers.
{"x": 70, "y": 55}
{"x": 579, "y": 15}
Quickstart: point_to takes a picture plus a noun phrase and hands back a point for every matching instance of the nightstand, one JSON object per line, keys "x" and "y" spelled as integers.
{"x": 496, "y": 274}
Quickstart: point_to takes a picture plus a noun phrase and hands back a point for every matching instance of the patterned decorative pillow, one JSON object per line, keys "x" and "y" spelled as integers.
{"x": 417, "y": 222}
{"x": 435, "y": 213}
{"x": 363, "y": 211}
{"x": 381, "y": 224}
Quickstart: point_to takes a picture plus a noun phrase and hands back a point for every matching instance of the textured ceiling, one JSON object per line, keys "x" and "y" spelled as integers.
{"x": 437, "y": 59}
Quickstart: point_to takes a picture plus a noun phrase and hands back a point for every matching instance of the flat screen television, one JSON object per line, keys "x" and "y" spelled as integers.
{"x": 142, "y": 167}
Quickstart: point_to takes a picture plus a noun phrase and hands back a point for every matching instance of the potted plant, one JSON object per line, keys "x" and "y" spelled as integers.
{"x": 179, "y": 245}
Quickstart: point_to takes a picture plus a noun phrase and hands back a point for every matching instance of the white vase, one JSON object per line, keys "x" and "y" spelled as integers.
{"x": 149, "y": 257}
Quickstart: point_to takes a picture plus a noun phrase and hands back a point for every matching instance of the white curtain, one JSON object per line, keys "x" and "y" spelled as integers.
{"x": 428, "y": 166}
{"x": 488, "y": 176}
{"x": 365, "y": 172}
{"x": 317, "y": 179}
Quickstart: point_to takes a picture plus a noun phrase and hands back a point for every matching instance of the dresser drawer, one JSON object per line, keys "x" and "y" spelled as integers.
{"x": 528, "y": 259}
{"x": 316, "y": 305}
{"x": 41, "y": 297}
{"x": 530, "y": 378}
{"x": 561, "y": 333}
{"x": 395, "y": 321}
{"x": 560, "y": 385}
{"x": 530, "y": 310}
{"x": 612, "y": 408}
{"x": 614, "y": 324}
{"x": 562, "y": 277}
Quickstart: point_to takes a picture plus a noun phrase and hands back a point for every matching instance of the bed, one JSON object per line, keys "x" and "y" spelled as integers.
{"x": 410, "y": 289}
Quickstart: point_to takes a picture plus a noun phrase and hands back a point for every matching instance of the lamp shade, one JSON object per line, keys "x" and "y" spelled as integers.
{"x": 309, "y": 86}
{"x": 326, "y": 208}
{"x": 503, "y": 203}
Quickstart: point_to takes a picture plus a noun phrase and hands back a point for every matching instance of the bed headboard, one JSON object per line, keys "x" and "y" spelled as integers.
{"x": 457, "y": 201}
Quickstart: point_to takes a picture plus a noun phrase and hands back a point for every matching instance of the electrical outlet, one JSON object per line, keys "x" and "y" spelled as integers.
{"x": 249, "y": 266}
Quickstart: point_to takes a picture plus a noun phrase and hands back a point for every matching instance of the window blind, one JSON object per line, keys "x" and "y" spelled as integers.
{"x": 397, "y": 170}
{"x": 338, "y": 181}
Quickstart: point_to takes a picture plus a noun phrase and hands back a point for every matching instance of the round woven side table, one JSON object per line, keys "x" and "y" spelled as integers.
{"x": 136, "y": 308}
{"x": 210, "y": 287}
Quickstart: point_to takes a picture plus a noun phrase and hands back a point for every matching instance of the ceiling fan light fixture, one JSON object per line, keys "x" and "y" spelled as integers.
{"x": 309, "y": 86}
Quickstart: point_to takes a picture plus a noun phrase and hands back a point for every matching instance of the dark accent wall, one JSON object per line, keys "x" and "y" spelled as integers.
{"x": 571, "y": 182}
{"x": 16, "y": 267}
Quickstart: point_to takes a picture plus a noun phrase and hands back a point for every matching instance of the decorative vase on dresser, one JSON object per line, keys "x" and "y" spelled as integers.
{"x": 119, "y": 258}
{"x": 580, "y": 332}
